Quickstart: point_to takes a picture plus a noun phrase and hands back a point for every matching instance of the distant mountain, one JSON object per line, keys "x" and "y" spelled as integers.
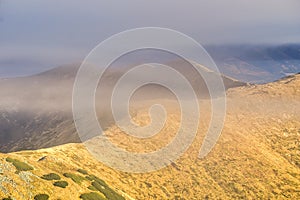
{"x": 36, "y": 112}
{"x": 247, "y": 63}
{"x": 257, "y": 64}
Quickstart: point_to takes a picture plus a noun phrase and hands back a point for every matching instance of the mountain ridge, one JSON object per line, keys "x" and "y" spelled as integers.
{"x": 257, "y": 155}
{"x": 31, "y": 116}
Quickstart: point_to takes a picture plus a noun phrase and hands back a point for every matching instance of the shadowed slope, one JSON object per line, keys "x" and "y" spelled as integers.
{"x": 35, "y": 111}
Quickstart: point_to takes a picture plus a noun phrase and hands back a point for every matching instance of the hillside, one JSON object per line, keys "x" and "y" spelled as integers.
{"x": 32, "y": 118}
{"x": 257, "y": 63}
{"x": 257, "y": 156}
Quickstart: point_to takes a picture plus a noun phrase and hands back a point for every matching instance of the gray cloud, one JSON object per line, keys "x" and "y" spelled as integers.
{"x": 78, "y": 25}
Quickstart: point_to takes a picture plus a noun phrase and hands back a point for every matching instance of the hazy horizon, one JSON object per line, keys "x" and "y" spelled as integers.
{"x": 36, "y": 36}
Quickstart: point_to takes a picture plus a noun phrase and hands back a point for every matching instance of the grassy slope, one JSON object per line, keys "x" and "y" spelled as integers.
{"x": 257, "y": 156}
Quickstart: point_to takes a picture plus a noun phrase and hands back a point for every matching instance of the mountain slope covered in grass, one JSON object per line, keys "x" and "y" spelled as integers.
{"x": 256, "y": 157}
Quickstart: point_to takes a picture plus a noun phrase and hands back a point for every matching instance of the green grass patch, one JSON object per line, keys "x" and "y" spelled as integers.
{"x": 92, "y": 188}
{"x": 107, "y": 191}
{"x": 82, "y": 171}
{"x": 76, "y": 178}
{"x": 20, "y": 166}
{"x": 8, "y": 198}
{"x": 91, "y": 196}
{"x": 95, "y": 178}
{"x": 62, "y": 184}
{"x": 51, "y": 176}
{"x": 41, "y": 197}
{"x": 101, "y": 186}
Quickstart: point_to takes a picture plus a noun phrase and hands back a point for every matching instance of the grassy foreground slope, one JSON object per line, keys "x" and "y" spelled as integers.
{"x": 257, "y": 157}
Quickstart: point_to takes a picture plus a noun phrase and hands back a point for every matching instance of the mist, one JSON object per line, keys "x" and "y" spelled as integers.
{"x": 43, "y": 34}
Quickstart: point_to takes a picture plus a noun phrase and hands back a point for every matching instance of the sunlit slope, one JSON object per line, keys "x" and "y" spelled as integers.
{"x": 256, "y": 157}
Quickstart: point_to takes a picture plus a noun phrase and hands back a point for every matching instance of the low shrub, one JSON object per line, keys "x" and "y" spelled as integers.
{"x": 82, "y": 171}
{"x": 20, "y": 166}
{"x": 51, "y": 176}
{"x": 76, "y": 178}
{"x": 62, "y": 184}
{"x": 91, "y": 196}
{"x": 92, "y": 188}
{"x": 41, "y": 197}
{"x": 95, "y": 178}
{"x": 107, "y": 191}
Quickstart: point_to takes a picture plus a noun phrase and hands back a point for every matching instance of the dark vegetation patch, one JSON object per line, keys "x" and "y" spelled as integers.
{"x": 91, "y": 196}
{"x": 107, "y": 191}
{"x": 82, "y": 171}
{"x": 20, "y": 166}
{"x": 62, "y": 184}
{"x": 76, "y": 178}
{"x": 100, "y": 185}
{"x": 95, "y": 178}
{"x": 92, "y": 188}
{"x": 51, "y": 176}
{"x": 41, "y": 197}
{"x": 42, "y": 158}
{"x": 8, "y": 198}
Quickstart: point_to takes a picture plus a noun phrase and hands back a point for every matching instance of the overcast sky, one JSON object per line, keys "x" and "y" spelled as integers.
{"x": 45, "y": 33}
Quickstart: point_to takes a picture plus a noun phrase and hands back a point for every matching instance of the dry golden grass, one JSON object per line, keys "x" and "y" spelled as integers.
{"x": 257, "y": 156}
